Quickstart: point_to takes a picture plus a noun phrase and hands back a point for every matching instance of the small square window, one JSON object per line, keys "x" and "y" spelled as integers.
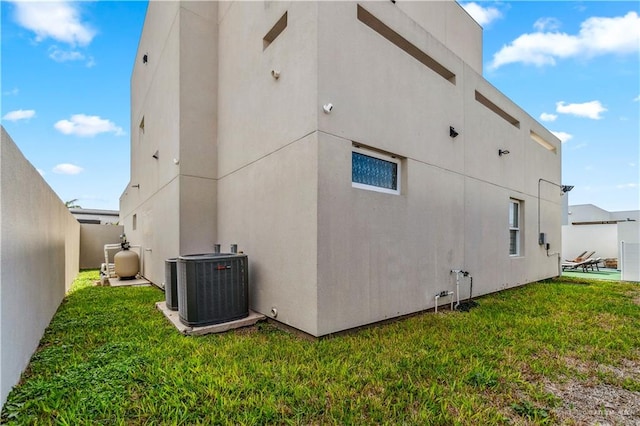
{"x": 375, "y": 171}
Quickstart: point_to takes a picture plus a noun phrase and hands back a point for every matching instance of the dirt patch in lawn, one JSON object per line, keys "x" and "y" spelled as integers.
{"x": 593, "y": 402}
{"x": 601, "y": 404}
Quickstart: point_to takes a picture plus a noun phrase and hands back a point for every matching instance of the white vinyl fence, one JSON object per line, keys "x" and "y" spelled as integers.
{"x": 629, "y": 261}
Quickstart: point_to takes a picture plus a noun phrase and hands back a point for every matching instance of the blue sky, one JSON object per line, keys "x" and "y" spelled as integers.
{"x": 574, "y": 66}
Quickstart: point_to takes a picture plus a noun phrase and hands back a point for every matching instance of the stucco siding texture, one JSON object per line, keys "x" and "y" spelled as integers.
{"x": 269, "y": 208}
{"x": 39, "y": 256}
{"x": 262, "y": 165}
{"x": 383, "y": 255}
{"x": 93, "y": 237}
{"x": 259, "y": 114}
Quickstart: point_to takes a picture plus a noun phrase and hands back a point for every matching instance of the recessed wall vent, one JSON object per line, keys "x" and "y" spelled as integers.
{"x": 385, "y": 31}
{"x": 275, "y": 31}
{"x": 540, "y": 140}
{"x": 495, "y": 108}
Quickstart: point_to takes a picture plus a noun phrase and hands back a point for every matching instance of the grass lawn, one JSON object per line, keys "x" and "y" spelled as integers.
{"x": 564, "y": 351}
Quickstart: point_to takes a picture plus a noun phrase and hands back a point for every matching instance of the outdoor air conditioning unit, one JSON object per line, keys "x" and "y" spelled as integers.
{"x": 171, "y": 283}
{"x": 212, "y": 288}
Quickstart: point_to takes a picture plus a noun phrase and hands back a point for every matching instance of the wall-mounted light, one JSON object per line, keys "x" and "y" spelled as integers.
{"x": 137, "y": 185}
{"x": 452, "y": 132}
{"x": 145, "y": 58}
{"x": 327, "y": 108}
{"x": 566, "y": 188}
{"x": 502, "y": 152}
{"x": 176, "y": 161}
{"x": 156, "y": 154}
{"x": 275, "y": 74}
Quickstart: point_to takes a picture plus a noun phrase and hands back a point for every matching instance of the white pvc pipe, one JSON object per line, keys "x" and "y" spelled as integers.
{"x": 443, "y": 294}
{"x": 457, "y": 272}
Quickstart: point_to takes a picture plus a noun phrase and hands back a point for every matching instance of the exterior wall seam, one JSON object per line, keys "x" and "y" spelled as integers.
{"x": 266, "y": 155}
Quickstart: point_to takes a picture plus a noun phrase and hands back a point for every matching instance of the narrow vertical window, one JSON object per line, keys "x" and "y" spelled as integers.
{"x": 134, "y": 225}
{"x": 514, "y": 227}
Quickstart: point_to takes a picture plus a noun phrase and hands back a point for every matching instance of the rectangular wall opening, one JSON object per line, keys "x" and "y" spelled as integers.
{"x": 275, "y": 31}
{"x": 381, "y": 28}
{"x": 542, "y": 142}
{"x": 374, "y": 170}
{"x": 495, "y": 108}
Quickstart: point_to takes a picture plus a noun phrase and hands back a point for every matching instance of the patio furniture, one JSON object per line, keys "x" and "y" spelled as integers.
{"x": 578, "y": 258}
{"x": 592, "y": 263}
{"x": 575, "y": 265}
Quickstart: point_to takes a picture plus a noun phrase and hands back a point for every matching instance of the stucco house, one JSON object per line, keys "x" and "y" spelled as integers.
{"x": 352, "y": 150}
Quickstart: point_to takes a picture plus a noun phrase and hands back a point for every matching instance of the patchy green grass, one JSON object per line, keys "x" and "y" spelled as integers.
{"x": 109, "y": 357}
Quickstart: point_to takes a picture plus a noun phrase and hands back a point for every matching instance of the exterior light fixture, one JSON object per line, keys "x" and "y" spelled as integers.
{"x": 566, "y": 188}
{"x": 502, "y": 152}
{"x": 145, "y": 58}
{"x": 156, "y": 154}
{"x": 327, "y": 108}
{"x": 275, "y": 74}
{"x": 452, "y": 132}
{"x": 137, "y": 185}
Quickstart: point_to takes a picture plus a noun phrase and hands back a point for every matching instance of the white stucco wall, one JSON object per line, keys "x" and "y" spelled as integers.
{"x": 93, "y": 237}
{"x": 382, "y": 255}
{"x": 39, "y": 255}
{"x": 173, "y": 196}
{"x": 268, "y": 154}
{"x": 328, "y": 256}
{"x": 603, "y": 239}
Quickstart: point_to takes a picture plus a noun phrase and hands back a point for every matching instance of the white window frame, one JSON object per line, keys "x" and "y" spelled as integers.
{"x": 380, "y": 156}
{"x": 517, "y": 227}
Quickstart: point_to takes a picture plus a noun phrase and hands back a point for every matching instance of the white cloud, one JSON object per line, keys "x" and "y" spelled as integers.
{"x": 628, "y": 185}
{"x": 87, "y": 125}
{"x": 67, "y": 169}
{"x": 59, "y": 55}
{"x": 636, "y": 99}
{"x": 12, "y": 92}
{"x": 597, "y": 36}
{"x": 548, "y": 117}
{"x": 591, "y": 109}
{"x": 563, "y": 136}
{"x": 20, "y": 114}
{"x": 482, "y": 15}
{"x": 59, "y": 20}
{"x": 546, "y": 24}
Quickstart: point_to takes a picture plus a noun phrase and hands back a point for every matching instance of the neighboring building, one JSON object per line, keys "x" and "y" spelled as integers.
{"x": 612, "y": 235}
{"x": 94, "y": 216}
{"x": 353, "y": 150}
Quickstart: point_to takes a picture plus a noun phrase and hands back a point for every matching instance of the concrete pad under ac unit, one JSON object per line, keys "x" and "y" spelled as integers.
{"x": 174, "y": 318}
